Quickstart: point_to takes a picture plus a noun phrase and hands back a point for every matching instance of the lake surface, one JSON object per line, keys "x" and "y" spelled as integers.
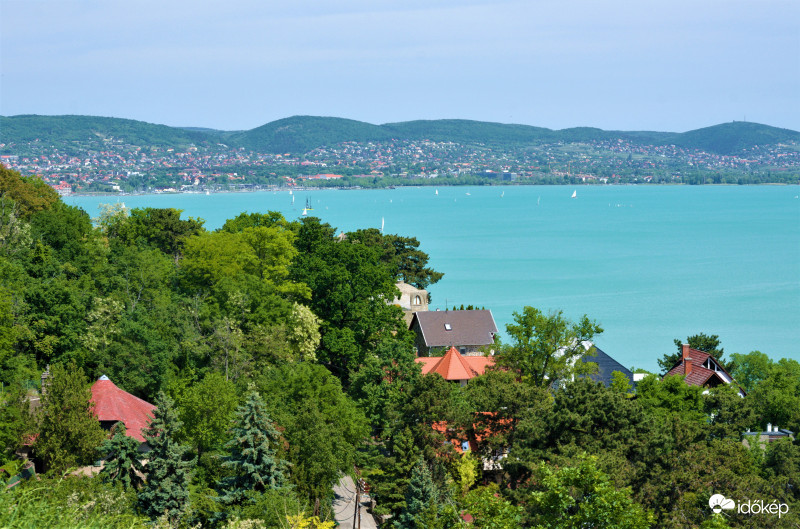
{"x": 649, "y": 263}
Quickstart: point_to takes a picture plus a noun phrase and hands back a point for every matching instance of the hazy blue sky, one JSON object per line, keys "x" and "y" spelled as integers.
{"x": 671, "y": 65}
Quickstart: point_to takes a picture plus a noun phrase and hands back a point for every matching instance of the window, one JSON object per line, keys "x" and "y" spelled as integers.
{"x": 417, "y": 300}
{"x": 448, "y": 327}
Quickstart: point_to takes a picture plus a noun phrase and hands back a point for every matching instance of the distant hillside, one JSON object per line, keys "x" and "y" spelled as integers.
{"x": 467, "y": 131}
{"x": 729, "y": 138}
{"x": 70, "y": 129}
{"x": 301, "y": 134}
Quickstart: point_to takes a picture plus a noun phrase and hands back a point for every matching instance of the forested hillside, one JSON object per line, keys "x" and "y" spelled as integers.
{"x": 277, "y": 364}
{"x": 301, "y": 134}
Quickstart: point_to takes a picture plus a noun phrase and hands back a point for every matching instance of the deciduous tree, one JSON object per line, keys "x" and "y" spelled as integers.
{"x": 546, "y": 348}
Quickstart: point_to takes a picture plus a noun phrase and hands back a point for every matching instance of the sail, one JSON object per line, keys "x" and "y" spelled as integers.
{"x": 575, "y": 194}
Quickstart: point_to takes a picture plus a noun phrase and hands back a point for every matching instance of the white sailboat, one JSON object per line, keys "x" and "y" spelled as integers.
{"x": 437, "y": 192}
{"x": 575, "y": 194}
{"x": 382, "y": 223}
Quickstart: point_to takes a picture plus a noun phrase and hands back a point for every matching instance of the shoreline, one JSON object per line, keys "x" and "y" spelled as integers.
{"x": 359, "y": 188}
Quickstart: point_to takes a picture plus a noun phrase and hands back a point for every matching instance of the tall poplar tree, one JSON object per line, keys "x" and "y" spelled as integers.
{"x": 166, "y": 493}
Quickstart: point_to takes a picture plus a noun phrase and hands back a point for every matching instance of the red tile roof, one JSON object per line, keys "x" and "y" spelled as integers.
{"x": 114, "y": 404}
{"x": 453, "y": 366}
{"x": 691, "y": 366}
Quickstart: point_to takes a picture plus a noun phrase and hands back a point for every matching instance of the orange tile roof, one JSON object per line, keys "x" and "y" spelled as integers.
{"x": 114, "y": 404}
{"x": 453, "y": 366}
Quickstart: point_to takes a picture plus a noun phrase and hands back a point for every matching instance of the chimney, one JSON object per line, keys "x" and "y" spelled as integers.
{"x": 687, "y": 361}
{"x": 769, "y": 427}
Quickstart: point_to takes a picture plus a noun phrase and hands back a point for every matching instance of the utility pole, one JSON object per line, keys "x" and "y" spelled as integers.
{"x": 357, "y": 512}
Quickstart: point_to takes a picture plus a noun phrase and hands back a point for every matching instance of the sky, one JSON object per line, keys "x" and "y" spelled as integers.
{"x": 659, "y": 65}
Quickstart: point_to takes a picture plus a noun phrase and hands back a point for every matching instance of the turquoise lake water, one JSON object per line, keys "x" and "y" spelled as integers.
{"x": 649, "y": 263}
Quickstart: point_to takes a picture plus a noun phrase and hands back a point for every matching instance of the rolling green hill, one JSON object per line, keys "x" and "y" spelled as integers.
{"x": 70, "y": 129}
{"x": 300, "y": 134}
{"x": 729, "y": 138}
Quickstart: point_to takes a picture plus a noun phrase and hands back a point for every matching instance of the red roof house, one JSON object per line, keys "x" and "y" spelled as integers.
{"x": 113, "y": 405}
{"x": 701, "y": 369}
{"x": 455, "y": 367}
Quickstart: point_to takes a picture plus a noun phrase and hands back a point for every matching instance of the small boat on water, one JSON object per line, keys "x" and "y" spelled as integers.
{"x": 437, "y": 192}
{"x": 575, "y": 194}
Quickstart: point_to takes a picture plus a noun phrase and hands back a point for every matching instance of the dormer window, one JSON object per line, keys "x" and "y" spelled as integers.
{"x": 710, "y": 364}
{"x": 448, "y": 327}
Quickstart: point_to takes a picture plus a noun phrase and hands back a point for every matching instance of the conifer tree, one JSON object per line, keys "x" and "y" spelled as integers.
{"x": 122, "y": 459}
{"x": 69, "y": 431}
{"x": 422, "y": 500}
{"x": 253, "y": 460}
{"x": 166, "y": 493}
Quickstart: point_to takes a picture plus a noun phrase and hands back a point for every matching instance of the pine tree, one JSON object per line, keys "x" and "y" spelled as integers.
{"x": 122, "y": 459}
{"x": 166, "y": 493}
{"x": 69, "y": 431}
{"x": 421, "y": 500}
{"x": 389, "y": 487}
{"x": 252, "y": 457}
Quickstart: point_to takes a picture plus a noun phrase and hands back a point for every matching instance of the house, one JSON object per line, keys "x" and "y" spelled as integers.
{"x": 605, "y": 365}
{"x": 469, "y": 331}
{"x": 772, "y": 434}
{"x": 701, "y": 369}
{"x": 411, "y": 300}
{"x": 455, "y": 367}
{"x": 113, "y": 405}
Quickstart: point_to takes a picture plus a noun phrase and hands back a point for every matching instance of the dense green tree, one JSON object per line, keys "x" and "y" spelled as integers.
{"x": 15, "y": 420}
{"x": 499, "y": 402}
{"x": 422, "y": 498}
{"x": 350, "y": 289}
{"x": 122, "y": 459}
{"x": 206, "y": 409}
{"x": 776, "y": 399}
{"x": 582, "y": 496}
{"x": 401, "y": 255}
{"x": 436, "y": 412}
{"x": 389, "y": 473}
{"x": 30, "y": 193}
{"x": 253, "y": 454}
{"x": 782, "y": 466}
{"x": 702, "y": 342}
{"x": 69, "y": 432}
{"x": 162, "y": 229}
{"x": 728, "y": 414}
{"x": 379, "y": 383}
{"x": 489, "y": 510}
{"x": 671, "y": 395}
{"x": 750, "y": 369}
{"x": 546, "y": 348}
{"x": 322, "y": 425}
{"x": 166, "y": 492}
{"x": 271, "y": 219}
{"x": 585, "y": 416}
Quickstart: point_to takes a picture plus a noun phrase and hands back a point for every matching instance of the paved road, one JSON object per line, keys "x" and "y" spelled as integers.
{"x": 344, "y": 506}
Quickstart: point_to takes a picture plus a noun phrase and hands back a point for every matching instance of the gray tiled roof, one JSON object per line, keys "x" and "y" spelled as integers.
{"x": 605, "y": 366}
{"x": 468, "y": 327}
